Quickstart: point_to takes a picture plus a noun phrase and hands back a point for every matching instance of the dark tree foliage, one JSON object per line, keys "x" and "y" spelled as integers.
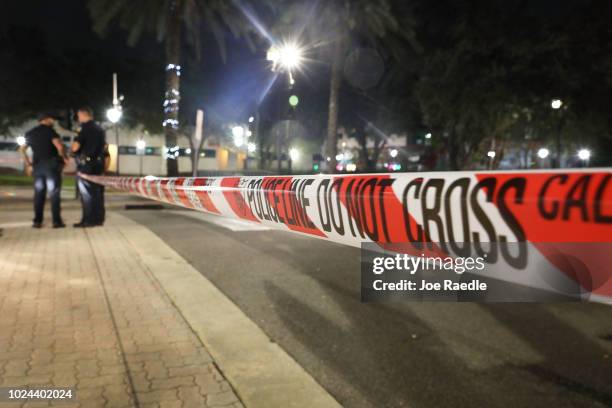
{"x": 491, "y": 69}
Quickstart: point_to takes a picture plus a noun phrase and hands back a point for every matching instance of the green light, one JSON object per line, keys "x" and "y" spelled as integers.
{"x": 315, "y": 167}
{"x": 293, "y": 100}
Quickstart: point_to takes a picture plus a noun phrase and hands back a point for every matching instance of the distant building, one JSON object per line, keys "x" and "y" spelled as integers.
{"x": 216, "y": 153}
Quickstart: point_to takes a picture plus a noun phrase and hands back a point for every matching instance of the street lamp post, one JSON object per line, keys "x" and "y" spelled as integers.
{"x": 251, "y": 132}
{"x": 251, "y": 148}
{"x": 196, "y": 142}
{"x": 141, "y": 150}
{"x": 543, "y": 154}
{"x": 556, "y": 104}
{"x": 241, "y": 140}
{"x": 284, "y": 57}
{"x": 114, "y": 115}
{"x": 491, "y": 155}
{"x": 294, "y": 155}
{"x": 585, "y": 156}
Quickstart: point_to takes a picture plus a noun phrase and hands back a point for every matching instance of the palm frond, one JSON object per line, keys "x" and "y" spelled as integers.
{"x": 137, "y": 17}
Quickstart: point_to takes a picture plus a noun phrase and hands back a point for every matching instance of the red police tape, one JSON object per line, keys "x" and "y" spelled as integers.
{"x": 538, "y": 207}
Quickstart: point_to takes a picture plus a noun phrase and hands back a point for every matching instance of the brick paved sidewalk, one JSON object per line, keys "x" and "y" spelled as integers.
{"x": 79, "y": 309}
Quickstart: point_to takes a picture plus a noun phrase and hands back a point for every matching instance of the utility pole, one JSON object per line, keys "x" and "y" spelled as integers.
{"x": 115, "y": 103}
{"x": 557, "y": 105}
{"x": 558, "y": 147}
{"x": 196, "y": 142}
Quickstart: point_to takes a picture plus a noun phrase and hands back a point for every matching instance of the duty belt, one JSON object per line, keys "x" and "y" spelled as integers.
{"x": 88, "y": 159}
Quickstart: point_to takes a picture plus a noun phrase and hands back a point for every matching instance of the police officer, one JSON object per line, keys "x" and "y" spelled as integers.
{"x": 47, "y": 163}
{"x": 92, "y": 156}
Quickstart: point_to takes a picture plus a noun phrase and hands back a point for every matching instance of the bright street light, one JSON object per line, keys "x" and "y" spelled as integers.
{"x": 273, "y": 54}
{"x": 556, "y": 103}
{"x": 290, "y": 56}
{"x": 114, "y": 114}
{"x": 584, "y": 154}
{"x": 287, "y": 56}
{"x": 251, "y": 147}
{"x": 543, "y": 153}
{"x": 393, "y": 153}
{"x": 294, "y": 154}
{"x": 238, "y": 133}
{"x": 21, "y": 140}
{"x": 141, "y": 144}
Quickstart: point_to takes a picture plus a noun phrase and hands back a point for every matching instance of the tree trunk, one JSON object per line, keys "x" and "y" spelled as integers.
{"x": 259, "y": 139}
{"x": 453, "y": 152}
{"x": 379, "y": 145}
{"x": 172, "y": 96}
{"x": 332, "y": 121}
{"x": 364, "y": 161}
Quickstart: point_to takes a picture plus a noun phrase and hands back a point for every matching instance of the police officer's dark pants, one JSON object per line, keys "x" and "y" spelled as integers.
{"x": 47, "y": 180}
{"x": 92, "y": 200}
{"x": 102, "y": 212}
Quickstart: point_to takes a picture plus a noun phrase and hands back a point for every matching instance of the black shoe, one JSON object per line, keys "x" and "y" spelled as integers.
{"x": 37, "y": 225}
{"x": 82, "y": 225}
{"x": 59, "y": 225}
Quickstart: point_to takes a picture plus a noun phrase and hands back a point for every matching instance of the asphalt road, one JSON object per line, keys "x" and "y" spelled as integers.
{"x": 304, "y": 293}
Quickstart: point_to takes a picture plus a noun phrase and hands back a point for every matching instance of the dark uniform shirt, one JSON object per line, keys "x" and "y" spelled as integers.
{"x": 40, "y": 140}
{"x": 92, "y": 139}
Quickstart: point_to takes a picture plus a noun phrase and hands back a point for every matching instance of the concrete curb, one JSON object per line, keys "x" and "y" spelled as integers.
{"x": 262, "y": 373}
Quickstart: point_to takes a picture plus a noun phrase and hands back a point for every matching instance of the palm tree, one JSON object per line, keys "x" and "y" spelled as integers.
{"x": 171, "y": 21}
{"x": 380, "y": 23}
